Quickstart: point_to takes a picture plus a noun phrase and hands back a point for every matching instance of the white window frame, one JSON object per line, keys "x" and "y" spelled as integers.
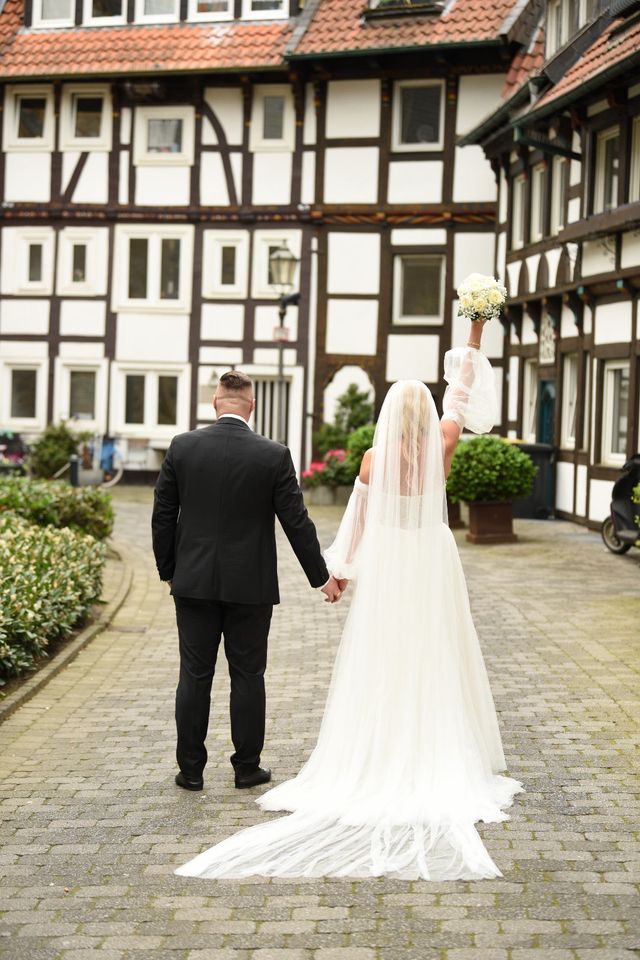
{"x": 68, "y": 140}
{"x": 427, "y": 319}
{"x": 249, "y": 14}
{"x": 634, "y": 176}
{"x": 37, "y": 20}
{"x": 142, "y": 157}
{"x": 529, "y": 400}
{"x": 194, "y": 15}
{"x": 569, "y": 401}
{"x": 158, "y": 17}
{"x": 396, "y": 126}
{"x": 213, "y": 242}
{"x": 15, "y": 256}
{"x": 12, "y": 141}
{"x": 583, "y": 13}
{"x": 262, "y": 240}
{"x": 64, "y": 367}
{"x": 536, "y": 220}
{"x": 257, "y": 143}
{"x": 603, "y": 137}
{"x": 587, "y": 401}
{"x": 89, "y": 20}
{"x": 155, "y": 235}
{"x": 24, "y": 424}
{"x": 607, "y": 455}
{"x": 149, "y": 429}
{"x": 519, "y": 195}
{"x": 96, "y": 240}
{"x": 558, "y": 197}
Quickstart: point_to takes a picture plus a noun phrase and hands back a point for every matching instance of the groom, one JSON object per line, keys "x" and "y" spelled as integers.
{"x": 216, "y": 500}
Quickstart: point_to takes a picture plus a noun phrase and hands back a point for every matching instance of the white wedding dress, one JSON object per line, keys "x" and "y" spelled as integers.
{"x": 409, "y": 753}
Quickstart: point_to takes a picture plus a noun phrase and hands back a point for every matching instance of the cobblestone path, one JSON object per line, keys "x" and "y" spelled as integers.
{"x": 92, "y": 824}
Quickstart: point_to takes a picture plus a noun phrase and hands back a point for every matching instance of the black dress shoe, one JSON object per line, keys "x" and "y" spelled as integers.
{"x": 253, "y": 779}
{"x": 182, "y": 781}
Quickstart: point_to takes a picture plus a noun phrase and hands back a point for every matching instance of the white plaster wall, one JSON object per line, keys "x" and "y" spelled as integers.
{"x": 163, "y": 186}
{"x": 415, "y": 181}
{"x": 503, "y": 199}
{"x": 353, "y": 108}
{"x": 222, "y": 321}
{"x": 266, "y": 318}
{"x": 630, "y": 250}
{"x": 213, "y": 183}
{"x": 568, "y": 323}
{"x": 553, "y": 259}
{"x": 93, "y": 185}
{"x": 226, "y": 103}
{"x": 308, "y": 178}
{"x": 587, "y": 320}
{"x": 268, "y": 356}
{"x": 418, "y": 237}
{"x": 599, "y": 499}
{"x": 564, "y": 487}
{"x": 123, "y": 179}
{"x": 28, "y": 177}
{"x": 473, "y": 253}
{"x": 343, "y": 378}
{"x": 82, "y": 318}
{"x": 309, "y": 129}
{"x": 498, "y": 376}
{"x": 236, "y": 172}
{"x": 413, "y": 357}
{"x": 581, "y": 490}
{"x": 224, "y": 356}
{"x": 352, "y": 327}
{"x": 574, "y": 209}
{"x": 513, "y": 272}
{"x": 81, "y": 350}
{"x": 473, "y": 178}
{"x": 351, "y": 175}
{"x": 501, "y": 255}
{"x": 69, "y": 161}
{"x": 152, "y": 337}
{"x": 532, "y": 267}
{"x": 613, "y": 322}
{"x": 528, "y": 330}
{"x": 512, "y": 411}
{"x": 24, "y": 316}
{"x": 477, "y": 95}
{"x": 125, "y": 125}
{"x": 353, "y": 263}
{"x": 24, "y": 349}
{"x": 272, "y": 178}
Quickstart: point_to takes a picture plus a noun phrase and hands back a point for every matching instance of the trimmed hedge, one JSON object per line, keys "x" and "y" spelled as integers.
{"x": 49, "y": 579}
{"x": 489, "y": 468}
{"x": 56, "y": 503}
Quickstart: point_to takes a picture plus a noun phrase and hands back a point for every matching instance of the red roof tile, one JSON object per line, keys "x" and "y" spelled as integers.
{"x": 338, "y": 26}
{"x": 525, "y": 64}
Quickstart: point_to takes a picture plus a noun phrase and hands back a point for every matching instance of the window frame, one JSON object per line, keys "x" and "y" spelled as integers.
{"x": 24, "y": 424}
{"x": 149, "y": 429}
{"x": 11, "y": 140}
{"x": 213, "y": 242}
{"x": 67, "y": 137}
{"x": 570, "y": 370}
{"x": 559, "y": 183}
{"x": 121, "y": 301}
{"x": 141, "y": 17}
{"x": 249, "y": 14}
{"x": 602, "y": 137}
{"x": 634, "y": 165}
{"x": 262, "y": 240}
{"x": 518, "y": 219}
{"x": 396, "y": 120}
{"x": 141, "y": 155}
{"x": 607, "y": 455}
{"x": 38, "y": 22}
{"x": 89, "y": 20}
{"x": 193, "y": 14}
{"x": 257, "y": 143}
{"x": 538, "y": 197}
{"x": 96, "y": 240}
{"x": 426, "y": 320}
{"x": 530, "y": 399}
{"x": 22, "y": 238}
{"x": 64, "y": 367}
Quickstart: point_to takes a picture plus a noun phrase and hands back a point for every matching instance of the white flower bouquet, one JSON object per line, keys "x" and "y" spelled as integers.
{"x": 481, "y": 298}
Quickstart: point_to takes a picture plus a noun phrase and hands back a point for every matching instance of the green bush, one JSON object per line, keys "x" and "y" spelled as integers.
{"x": 353, "y": 410}
{"x": 53, "y": 449}
{"x": 328, "y": 437}
{"x": 357, "y": 445}
{"x": 488, "y": 468}
{"x": 635, "y": 496}
{"x": 48, "y": 580}
{"x": 56, "y": 503}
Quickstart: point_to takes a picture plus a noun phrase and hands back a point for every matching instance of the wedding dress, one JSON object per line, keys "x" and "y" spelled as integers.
{"x": 409, "y": 753}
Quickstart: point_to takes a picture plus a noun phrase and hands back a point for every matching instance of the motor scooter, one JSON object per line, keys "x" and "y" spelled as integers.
{"x": 620, "y": 531}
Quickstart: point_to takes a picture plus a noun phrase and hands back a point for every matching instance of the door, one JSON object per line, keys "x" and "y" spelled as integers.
{"x": 546, "y": 411}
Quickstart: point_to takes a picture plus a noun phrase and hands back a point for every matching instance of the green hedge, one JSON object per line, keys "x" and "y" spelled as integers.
{"x": 48, "y": 580}
{"x": 490, "y": 468}
{"x": 56, "y": 503}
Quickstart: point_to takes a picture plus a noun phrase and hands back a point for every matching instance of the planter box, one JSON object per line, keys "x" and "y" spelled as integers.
{"x": 454, "y": 516}
{"x": 325, "y": 496}
{"x": 491, "y": 522}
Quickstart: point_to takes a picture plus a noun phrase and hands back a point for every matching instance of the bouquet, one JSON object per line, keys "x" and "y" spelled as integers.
{"x": 481, "y": 298}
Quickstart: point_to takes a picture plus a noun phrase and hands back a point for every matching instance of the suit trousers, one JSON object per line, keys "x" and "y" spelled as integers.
{"x": 245, "y": 628}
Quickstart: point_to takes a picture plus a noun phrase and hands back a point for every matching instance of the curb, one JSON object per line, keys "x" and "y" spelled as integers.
{"x": 73, "y": 647}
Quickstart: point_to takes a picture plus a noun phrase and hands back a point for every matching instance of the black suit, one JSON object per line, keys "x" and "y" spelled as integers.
{"x": 216, "y": 500}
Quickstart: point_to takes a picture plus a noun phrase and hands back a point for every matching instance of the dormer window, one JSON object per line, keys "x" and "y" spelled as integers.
{"x": 103, "y": 12}
{"x": 264, "y": 9}
{"x": 56, "y": 13}
{"x": 210, "y": 10}
{"x": 398, "y": 8}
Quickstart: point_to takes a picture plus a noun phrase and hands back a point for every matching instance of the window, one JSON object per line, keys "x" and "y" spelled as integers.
{"x": 210, "y": 10}
{"x": 634, "y": 177}
{"x": 34, "y": 268}
{"x": 615, "y": 412}
{"x": 518, "y": 219}
{"x": 264, "y": 241}
{"x": 272, "y": 120}
{"x": 79, "y": 263}
{"x": 103, "y": 11}
{"x": 538, "y": 179}
{"x": 150, "y": 402}
{"x": 85, "y": 118}
{"x": 154, "y": 268}
{"x": 164, "y": 135}
{"x": 157, "y": 11}
{"x": 560, "y": 18}
{"x": 529, "y": 400}
{"x": 53, "y": 12}
{"x": 559, "y": 175}
{"x": 167, "y": 400}
{"x": 225, "y": 257}
{"x": 587, "y": 10}
{"x": 23, "y": 394}
{"x": 82, "y": 261}
{"x": 417, "y": 289}
{"x": 23, "y": 397}
{"x": 27, "y": 260}
{"x": 607, "y": 167}
{"x": 134, "y": 398}
{"x": 569, "y": 400}
{"x": 586, "y": 405}
{"x": 264, "y": 9}
{"x": 417, "y": 115}
{"x": 82, "y": 394}
{"x": 28, "y": 118}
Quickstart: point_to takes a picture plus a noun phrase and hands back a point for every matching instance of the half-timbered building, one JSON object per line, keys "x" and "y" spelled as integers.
{"x": 156, "y": 152}
{"x": 565, "y": 145}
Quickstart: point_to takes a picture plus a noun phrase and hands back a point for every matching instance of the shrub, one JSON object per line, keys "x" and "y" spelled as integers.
{"x": 56, "y": 503}
{"x": 635, "y": 496}
{"x": 353, "y": 409}
{"x": 48, "y": 580}
{"x": 53, "y": 449}
{"x": 488, "y": 468}
{"x": 328, "y": 437}
{"x": 357, "y": 445}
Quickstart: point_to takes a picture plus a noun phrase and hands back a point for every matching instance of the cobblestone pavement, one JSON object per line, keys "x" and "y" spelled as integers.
{"x": 92, "y": 824}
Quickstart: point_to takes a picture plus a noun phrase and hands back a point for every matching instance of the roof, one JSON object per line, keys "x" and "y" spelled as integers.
{"x": 337, "y": 26}
{"x": 526, "y": 63}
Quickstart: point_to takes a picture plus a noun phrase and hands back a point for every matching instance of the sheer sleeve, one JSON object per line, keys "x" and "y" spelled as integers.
{"x": 470, "y": 398}
{"x": 341, "y": 556}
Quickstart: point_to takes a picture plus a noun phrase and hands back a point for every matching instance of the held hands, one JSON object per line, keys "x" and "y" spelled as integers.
{"x": 333, "y": 589}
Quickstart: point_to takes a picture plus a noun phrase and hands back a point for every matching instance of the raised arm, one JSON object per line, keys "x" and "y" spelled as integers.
{"x": 341, "y": 556}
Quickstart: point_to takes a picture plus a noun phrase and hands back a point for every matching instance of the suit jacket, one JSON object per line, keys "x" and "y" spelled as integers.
{"x": 218, "y": 494}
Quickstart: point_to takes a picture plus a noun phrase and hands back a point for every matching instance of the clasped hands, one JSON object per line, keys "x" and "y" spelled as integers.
{"x": 334, "y": 588}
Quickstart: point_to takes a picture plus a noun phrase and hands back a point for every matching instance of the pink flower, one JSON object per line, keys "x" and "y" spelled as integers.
{"x": 317, "y": 466}
{"x": 339, "y": 455}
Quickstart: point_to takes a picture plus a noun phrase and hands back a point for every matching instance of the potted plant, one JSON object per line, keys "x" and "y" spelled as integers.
{"x": 488, "y": 473}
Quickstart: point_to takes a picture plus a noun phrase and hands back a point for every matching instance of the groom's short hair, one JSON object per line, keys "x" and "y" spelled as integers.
{"x": 235, "y": 381}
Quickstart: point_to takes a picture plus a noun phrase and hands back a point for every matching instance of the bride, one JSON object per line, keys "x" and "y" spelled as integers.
{"x": 409, "y": 753}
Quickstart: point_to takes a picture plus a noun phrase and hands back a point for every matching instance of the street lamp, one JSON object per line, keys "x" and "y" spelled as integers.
{"x": 282, "y": 269}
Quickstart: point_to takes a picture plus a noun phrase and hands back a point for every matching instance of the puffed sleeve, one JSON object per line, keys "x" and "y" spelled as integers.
{"x": 470, "y": 398}
{"x": 341, "y": 556}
